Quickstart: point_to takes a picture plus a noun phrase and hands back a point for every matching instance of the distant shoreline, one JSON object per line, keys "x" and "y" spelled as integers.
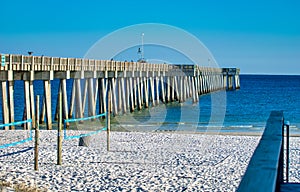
{"x": 259, "y": 74}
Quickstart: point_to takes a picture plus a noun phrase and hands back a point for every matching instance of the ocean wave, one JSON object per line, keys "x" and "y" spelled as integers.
{"x": 241, "y": 126}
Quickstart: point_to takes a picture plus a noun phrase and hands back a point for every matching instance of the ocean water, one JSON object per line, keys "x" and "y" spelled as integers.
{"x": 246, "y": 109}
{"x": 261, "y": 94}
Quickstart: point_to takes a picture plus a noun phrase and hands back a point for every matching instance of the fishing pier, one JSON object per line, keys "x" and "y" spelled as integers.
{"x": 134, "y": 85}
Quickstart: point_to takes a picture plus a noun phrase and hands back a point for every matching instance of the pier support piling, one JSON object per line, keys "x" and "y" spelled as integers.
{"x": 131, "y": 95}
{"x": 43, "y": 112}
{"x": 72, "y": 99}
{"x": 64, "y": 99}
{"x": 27, "y": 103}
{"x": 32, "y": 107}
{"x": 47, "y": 92}
{"x": 114, "y": 96}
{"x": 78, "y": 99}
{"x": 91, "y": 96}
{"x": 11, "y": 103}
{"x": 5, "y": 104}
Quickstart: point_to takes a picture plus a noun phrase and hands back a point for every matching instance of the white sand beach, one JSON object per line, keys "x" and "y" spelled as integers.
{"x": 137, "y": 162}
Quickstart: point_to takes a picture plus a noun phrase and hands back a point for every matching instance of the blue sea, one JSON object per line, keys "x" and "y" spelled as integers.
{"x": 243, "y": 110}
{"x": 246, "y": 109}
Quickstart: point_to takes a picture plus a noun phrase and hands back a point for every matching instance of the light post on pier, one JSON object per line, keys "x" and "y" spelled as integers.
{"x": 141, "y": 50}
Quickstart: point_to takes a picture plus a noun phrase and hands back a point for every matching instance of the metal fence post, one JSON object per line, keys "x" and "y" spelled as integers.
{"x": 287, "y": 126}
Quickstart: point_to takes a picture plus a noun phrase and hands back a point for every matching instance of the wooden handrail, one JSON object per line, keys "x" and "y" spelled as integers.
{"x": 265, "y": 170}
{"x": 44, "y": 63}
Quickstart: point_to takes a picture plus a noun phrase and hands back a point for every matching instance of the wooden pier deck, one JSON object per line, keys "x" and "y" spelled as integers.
{"x": 134, "y": 85}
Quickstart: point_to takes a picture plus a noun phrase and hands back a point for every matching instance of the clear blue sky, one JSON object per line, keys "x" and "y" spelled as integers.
{"x": 258, "y": 36}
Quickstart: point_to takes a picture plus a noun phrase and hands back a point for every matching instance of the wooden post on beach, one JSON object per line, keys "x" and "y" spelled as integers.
{"x": 59, "y": 132}
{"x": 108, "y": 110}
{"x": 37, "y": 126}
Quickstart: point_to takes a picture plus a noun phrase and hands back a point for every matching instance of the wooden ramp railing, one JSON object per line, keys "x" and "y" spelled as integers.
{"x": 265, "y": 169}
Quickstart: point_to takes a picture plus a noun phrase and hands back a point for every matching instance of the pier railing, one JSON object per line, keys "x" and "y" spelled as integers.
{"x": 265, "y": 171}
{"x": 43, "y": 63}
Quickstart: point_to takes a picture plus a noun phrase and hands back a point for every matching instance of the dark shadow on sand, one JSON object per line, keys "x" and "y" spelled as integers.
{"x": 16, "y": 152}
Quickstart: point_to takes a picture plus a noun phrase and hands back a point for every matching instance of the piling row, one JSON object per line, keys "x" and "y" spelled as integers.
{"x": 134, "y": 86}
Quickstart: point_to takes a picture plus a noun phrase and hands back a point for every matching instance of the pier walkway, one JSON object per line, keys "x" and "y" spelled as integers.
{"x": 134, "y": 85}
{"x": 266, "y": 170}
